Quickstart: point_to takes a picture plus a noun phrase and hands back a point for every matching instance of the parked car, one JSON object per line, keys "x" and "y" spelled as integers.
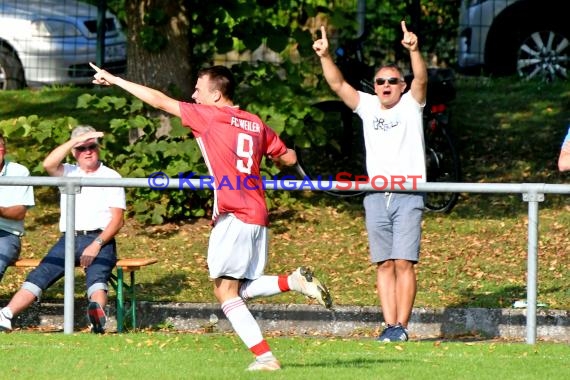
{"x": 507, "y": 37}
{"x": 52, "y": 42}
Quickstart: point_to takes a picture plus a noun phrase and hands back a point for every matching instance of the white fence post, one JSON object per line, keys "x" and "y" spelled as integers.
{"x": 70, "y": 189}
{"x": 532, "y": 197}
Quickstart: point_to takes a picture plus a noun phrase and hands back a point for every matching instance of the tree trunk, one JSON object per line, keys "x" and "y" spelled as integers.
{"x": 158, "y": 50}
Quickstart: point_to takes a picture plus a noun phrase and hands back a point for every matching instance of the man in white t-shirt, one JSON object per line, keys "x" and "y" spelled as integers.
{"x": 14, "y": 203}
{"x": 393, "y": 134}
{"x": 98, "y": 218}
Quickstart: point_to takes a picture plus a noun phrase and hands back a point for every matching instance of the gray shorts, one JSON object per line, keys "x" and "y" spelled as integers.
{"x": 394, "y": 224}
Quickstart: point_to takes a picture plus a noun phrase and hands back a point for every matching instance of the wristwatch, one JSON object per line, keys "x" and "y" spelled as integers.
{"x": 99, "y": 241}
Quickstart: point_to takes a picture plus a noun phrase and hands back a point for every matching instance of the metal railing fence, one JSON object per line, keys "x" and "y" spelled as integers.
{"x": 533, "y": 193}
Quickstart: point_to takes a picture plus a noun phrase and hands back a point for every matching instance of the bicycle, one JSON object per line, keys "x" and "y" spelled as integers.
{"x": 341, "y": 149}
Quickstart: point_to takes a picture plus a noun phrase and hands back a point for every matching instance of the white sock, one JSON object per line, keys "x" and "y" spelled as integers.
{"x": 266, "y": 356}
{"x": 7, "y": 312}
{"x": 242, "y": 321}
{"x": 264, "y": 286}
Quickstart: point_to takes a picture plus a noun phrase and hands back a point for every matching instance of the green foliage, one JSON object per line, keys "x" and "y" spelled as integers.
{"x": 265, "y": 81}
{"x": 438, "y": 29}
{"x": 283, "y": 93}
{"x": 35, "y": 137}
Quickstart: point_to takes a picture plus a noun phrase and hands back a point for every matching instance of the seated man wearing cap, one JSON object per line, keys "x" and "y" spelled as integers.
{"x": 98, "y": 218}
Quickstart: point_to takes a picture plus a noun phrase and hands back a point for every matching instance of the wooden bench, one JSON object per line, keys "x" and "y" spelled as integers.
{"x": 117, "y": 282}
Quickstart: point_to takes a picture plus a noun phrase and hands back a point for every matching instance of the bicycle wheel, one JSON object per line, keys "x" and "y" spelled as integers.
{"x": 442, "y": 165}
{"x": 335, "y": 146}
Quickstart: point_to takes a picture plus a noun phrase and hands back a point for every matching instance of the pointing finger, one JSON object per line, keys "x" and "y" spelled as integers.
{"x": 94, "y": 67}
{"x": 323, "y": 32}
{"x": 404, "y": 29}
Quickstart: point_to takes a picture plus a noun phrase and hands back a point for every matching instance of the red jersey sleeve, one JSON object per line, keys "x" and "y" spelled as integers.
{"x": 275, "y": 146}
{"x": 197, "y": 118}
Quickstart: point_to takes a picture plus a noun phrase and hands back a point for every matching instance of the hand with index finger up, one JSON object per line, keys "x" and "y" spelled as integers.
{"x": 410, "y": 40}
{"x": 321, "y": 46}
{"x": 101, "y": 76}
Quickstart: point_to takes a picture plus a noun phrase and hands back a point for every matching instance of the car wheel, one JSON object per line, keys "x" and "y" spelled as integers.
{"x": 544, "y": 55}
{"x": 11, "y": 71}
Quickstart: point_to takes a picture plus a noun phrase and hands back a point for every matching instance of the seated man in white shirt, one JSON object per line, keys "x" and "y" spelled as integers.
{"x": 98, "y": 218}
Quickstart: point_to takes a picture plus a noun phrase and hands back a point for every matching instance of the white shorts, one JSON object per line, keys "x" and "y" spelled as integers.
{"x": 237, "y": 249}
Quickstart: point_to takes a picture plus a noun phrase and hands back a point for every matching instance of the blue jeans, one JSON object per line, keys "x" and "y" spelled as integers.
{"x": 9, "y": 250}
{"x": 52, "y": 266}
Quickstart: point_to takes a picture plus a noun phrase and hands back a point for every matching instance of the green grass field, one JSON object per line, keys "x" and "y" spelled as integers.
{"x": 159, "y": 355}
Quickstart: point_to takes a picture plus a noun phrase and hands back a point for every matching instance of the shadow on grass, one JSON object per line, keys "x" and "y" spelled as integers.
{"x": 169, "y": 230}
{"x": 496, "y": 206}
{"x": 168, "y": 286}
{"x": 502, "y": 298}
{"x": 353, "y": 363}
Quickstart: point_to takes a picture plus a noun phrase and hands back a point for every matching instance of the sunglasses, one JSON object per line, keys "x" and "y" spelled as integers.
{"x": 86, "y": 148}
{"x": 391, "y": 80}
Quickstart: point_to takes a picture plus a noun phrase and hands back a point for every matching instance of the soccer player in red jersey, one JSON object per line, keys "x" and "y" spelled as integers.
{"x": 233, "y": 143}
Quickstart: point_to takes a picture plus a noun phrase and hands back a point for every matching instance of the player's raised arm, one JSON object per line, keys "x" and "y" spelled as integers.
{"x": 148, "y": 95}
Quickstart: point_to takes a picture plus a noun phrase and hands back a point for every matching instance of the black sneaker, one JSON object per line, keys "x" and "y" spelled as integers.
{"x": 97, "y": 317}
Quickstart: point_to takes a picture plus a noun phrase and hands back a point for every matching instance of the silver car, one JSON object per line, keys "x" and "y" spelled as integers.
{"x": 52, "y": 42}
{"x": 507, "y": 37}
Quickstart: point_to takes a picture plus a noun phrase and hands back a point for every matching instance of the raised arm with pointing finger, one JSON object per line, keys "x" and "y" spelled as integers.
{"x": 148, "y": 95}
{"x": 332, "y": 73}
{"x": 418, "y": 87}
{"x": 393, "y": 132}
